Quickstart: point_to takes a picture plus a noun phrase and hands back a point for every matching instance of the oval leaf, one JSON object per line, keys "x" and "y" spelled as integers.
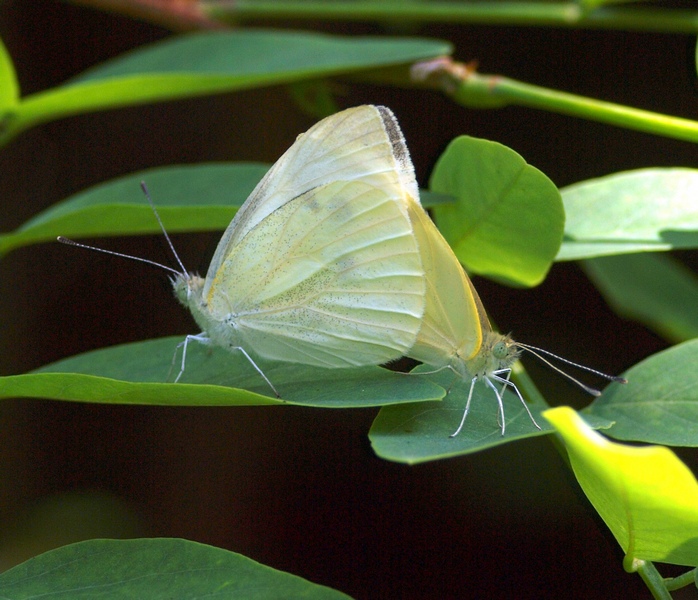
{"x": 660, "y": 402}
{"x": 415, "y": 433}
{"x": 118, "y": 207}
{"x": 646, "y": 496}
{"x": 201, "y": 197}
{"x": 154, "y": 569}
{"x": 137, "y": 374}
{"x": 508, "y": 219}
{"x": 647, "y": 209}
{"x": 213, "y": 62}
{"x": 654, "y": 289}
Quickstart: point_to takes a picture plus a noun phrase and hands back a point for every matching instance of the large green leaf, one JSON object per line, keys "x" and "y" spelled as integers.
{"x": 188, "y": 198}
{"x": 651, "y": 288}
{"x": 152, "y": 569}
{"x": 201, "y": 197}
{"x": 137, "y": 374}
{"x": 508, "y": 219}
{"x": 420, "y": 432}
{"x": 646, "y": 496}
{"x": 643, "y": 210}
{"x": 660, "y": 402}
{"x": 212, "y": 62}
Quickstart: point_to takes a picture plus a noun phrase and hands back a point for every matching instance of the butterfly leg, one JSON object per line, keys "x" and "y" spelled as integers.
{"x": 500, "y": 402}
{"x": 467, "y": 408}
{"x": 254, "y": 364}
{"x": 200, "y": 337}
{"x": 506, "y": 382}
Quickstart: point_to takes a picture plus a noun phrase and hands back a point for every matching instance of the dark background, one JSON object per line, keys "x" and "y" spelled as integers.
{"x": 300, "y": 489}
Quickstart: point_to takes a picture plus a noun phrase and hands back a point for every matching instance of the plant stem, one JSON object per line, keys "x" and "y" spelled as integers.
{"x": 562, "y": 14}
{"x": 676, "y": 583}
{"x": 649, "y": 574}
{"x": 475, "y": 90}
{"x": 177, "y": 16}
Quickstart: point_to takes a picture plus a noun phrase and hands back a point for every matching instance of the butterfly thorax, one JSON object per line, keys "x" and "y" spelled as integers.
{"x": 497, "y": 352}
{"x": 189, "y": 291}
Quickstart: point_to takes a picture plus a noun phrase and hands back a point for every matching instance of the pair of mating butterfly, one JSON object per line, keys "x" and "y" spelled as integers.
{"x": 333, "y": 262}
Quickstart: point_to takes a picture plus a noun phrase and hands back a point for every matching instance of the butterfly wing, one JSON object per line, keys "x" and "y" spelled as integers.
{"x": 331, "y": 278}
{"x": 362, "y": 143}
{"x": 453, "y": 318}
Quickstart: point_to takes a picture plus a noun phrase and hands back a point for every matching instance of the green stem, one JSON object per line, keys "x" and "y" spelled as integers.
{"x": 649, "y": 574}
{"x": 527, "y": 387}
{"x": 475, "y": 90}
{"x": 562, "y": 14}
{"x": 676, "y": 583}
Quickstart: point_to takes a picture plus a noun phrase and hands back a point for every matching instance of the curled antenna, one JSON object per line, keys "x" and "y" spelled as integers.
{"x": 69, "y": 242}
{"x": 538, "y": 353}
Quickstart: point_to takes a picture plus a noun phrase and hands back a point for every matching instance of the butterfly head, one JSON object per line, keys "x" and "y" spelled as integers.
{"x": 496, "y": 353}
{"x": 187, "y": 288}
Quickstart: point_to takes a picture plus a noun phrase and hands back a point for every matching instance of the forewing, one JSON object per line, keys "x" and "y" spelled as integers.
{"x": 362, "y": 143}
{"x": 451, "y": 321}
{"x": 332, "y": 278}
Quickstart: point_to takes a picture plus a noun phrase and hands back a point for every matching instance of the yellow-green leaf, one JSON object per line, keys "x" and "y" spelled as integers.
{"x": 646, "y": 496}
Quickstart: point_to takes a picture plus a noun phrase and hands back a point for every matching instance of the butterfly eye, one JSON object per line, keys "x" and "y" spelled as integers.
{"x": 500, "y": 350}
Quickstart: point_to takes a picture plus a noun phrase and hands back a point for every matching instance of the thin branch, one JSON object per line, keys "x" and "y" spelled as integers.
{"x": 472, "y": 89}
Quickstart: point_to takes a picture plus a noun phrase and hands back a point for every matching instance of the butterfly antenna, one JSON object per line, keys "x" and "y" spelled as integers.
{"x": 162, "y": 228}
{"x": 68, "y": 242}
{"x": 538, "y": 353}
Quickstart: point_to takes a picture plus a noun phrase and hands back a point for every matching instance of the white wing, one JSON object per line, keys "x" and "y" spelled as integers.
{"x": 331, "y": 278}
{"x": 454, "y": 318}
{"x": 362, "y": 143}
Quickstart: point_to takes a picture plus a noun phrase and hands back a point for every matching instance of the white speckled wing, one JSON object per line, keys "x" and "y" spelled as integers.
{"x": 362, "y": 143}
{"x": 332, "y": 278}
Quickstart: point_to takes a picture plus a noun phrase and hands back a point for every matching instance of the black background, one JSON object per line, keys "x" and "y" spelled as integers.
{"x": 300, "y": 489}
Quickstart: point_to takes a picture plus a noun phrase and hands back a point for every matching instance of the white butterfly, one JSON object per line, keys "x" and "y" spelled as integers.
{"x": 320, "y": 265}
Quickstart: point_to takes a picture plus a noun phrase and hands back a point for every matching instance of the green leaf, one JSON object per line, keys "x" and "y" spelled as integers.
{"x": 653, "y": 289}
{"x": 508, "y": 219}
{"x": 136, "y": 374}
{"x": 282, "y": 54}
{"x": 659, "y": 404}
{"x": 646, "y": 496}
{"x": 188, "y": 198}
{"x": 202, "y": 197}
{"x": 9, "y": 86}
{"x": 213, "y": 62}
{"x": 415, "y": 433}
{"x": 635, "y": 211}
{"x": 153, "y": 569}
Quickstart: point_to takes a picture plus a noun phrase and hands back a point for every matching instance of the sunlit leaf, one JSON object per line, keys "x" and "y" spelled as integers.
{"x": 646, "y": 496}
